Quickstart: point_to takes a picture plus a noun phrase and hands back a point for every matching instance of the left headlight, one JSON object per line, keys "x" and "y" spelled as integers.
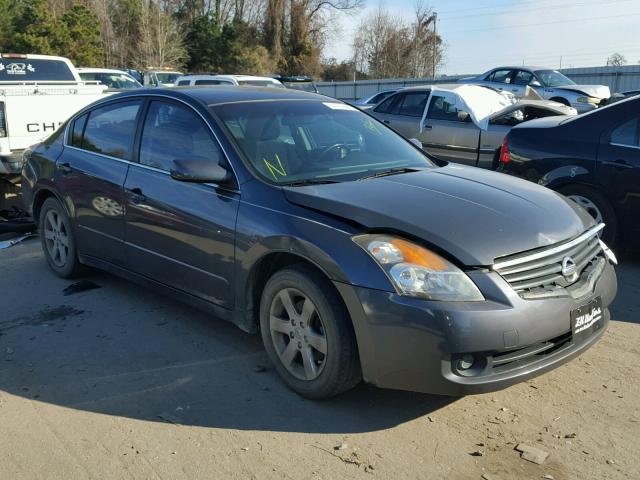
{"x": 415, "y": 271}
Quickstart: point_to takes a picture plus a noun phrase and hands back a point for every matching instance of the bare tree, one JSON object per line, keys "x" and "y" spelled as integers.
{"x": 616, "y": 60}
{"x": 161, "y": 42}
{"x": 389, "y": 47}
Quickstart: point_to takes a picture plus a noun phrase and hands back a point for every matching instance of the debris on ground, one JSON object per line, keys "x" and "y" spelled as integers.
{"x": 81, "y": 286}
{"x": 532, "y": 454}
{"x": 342, "y": 446}
{"x": 14, "y": 241}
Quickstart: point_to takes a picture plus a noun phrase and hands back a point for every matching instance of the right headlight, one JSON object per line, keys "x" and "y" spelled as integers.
{"x": 415, "y": 271}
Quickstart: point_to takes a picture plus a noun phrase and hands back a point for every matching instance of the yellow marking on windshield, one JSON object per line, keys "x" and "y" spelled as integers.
{"x": 275, "y": 169}
{"x": 369, "y": 125}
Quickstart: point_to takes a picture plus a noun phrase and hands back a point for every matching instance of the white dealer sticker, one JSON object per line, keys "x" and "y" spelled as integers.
{"x": 339, "y": 106}
{"x": 585, "y": 321}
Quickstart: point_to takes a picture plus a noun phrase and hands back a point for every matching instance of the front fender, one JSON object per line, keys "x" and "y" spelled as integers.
{"x": 261, "y": 231}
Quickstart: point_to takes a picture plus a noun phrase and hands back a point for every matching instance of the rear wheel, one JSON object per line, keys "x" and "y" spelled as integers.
{"x": 58, "y": 241}
{"x": 307, "y": 333}
{"x": 598, "y": 207}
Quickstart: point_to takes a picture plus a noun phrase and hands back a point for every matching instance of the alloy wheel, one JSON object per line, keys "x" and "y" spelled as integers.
{"x": 298, "y": 334}
{"x": 56, "y": 238}
{"x": 589, "y": 206}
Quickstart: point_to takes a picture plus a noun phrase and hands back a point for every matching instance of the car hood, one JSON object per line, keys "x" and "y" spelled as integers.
{"x": 597, "y": 91}
{"x": 475, "y": 215}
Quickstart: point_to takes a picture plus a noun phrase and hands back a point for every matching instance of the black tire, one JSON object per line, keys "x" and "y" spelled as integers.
{"x": 340, "y": 367}
{"x": 604, "y": 208}
{"x": 67, "y": 266}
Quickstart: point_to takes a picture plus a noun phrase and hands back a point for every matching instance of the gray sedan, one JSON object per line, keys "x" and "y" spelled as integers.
{"x": 549, "y": 84}
{"x": 461, "y": 123}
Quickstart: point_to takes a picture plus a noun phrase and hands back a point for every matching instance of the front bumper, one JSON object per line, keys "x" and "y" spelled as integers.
{"x": 411, "y": 344}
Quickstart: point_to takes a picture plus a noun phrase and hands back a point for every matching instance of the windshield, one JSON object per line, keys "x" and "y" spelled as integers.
{"x": 260, "y": 83}
{"x": 552, "y": 78}
{"x": 119, "y": 81}
{"x": 296, "y": 141}
{"x": 167, "y": 77}
{"x": 34, "y": 69}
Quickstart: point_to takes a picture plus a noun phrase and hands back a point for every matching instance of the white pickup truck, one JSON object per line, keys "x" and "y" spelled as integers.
{"x": 37, "y": 94}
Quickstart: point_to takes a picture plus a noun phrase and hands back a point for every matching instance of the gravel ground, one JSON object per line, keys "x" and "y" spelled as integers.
{"x": 119, "y": 382}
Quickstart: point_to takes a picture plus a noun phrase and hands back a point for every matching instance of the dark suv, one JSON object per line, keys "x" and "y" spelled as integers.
{"x": 304, "y": 219}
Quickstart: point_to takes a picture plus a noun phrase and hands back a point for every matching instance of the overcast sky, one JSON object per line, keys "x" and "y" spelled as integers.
{"x": 481, "y": 34}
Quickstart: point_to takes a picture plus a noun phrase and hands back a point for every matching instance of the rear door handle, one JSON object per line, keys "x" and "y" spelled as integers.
{"x": 386, "y": 121}
{"x": 137, "y": 196}
{"x": 428, "y": 127}
{"x": 619, "y": 164}
{"x": 65, "y": 168}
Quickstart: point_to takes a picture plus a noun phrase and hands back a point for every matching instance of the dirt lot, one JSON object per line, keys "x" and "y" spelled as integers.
{"x": 118, "y": 382}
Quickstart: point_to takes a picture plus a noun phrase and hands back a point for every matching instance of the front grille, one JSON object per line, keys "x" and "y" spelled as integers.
{"x": 539, "y": 273}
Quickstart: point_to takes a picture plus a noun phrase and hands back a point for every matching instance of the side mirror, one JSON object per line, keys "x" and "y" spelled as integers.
{"x": 199, "y": 170}
{"x": 463, "y": 116}
{"x": 535, "y": 83}
{"x": 416, "y": 142}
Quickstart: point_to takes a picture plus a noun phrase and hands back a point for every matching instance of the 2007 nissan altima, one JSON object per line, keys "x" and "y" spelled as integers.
{"x": 353, "y": 254}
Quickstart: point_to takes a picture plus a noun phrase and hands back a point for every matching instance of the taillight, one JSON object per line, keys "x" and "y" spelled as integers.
{"x": 3, "y": 121}
{"x": 504, "y": 152}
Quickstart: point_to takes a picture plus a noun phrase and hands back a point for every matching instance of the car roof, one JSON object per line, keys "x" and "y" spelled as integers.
{"x": 100, "y": 70}
{"x": 248, "y": 77}
{"x": 518, "y": 67}
{"x": 222, "y": 94}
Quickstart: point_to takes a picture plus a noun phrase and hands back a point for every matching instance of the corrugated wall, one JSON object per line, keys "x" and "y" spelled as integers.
{"x": 618, "y": 79}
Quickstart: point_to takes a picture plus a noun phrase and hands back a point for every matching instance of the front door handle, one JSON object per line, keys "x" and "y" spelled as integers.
{"x": 386, "y": 121}
{"x": 65, "y": 168}
{"x": 428, "y": 127}
{"x": 137, "y": 196}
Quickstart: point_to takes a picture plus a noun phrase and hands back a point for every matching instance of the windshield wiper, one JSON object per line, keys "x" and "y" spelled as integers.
{"x": 309, "y": 181}
{"x": 390, "y": 171}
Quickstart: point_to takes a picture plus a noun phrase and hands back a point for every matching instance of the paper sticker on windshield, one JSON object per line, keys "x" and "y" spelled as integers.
{"x": 338, "y": 106}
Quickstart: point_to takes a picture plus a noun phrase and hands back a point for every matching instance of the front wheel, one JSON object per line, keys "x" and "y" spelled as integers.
{"x": 307, "y": 333}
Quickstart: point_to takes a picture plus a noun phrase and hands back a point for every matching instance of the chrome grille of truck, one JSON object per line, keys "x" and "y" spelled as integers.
{"x": 539, "y": 273}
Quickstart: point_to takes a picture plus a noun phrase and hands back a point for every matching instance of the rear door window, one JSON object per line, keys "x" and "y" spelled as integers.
{"x": 626, "y": 134}
{"x": 500, "y": 76}
{"x": 413, "y": 104}
{"x": 175, "y": 132}
{"x": 390, "y": 105}
{"x": 110, "y": 129}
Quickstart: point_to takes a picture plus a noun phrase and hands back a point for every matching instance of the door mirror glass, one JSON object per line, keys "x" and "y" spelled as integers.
{"x": 200, "y": 170}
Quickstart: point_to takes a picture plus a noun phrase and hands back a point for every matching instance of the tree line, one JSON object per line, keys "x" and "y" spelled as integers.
{"x": 225, "y": 36}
